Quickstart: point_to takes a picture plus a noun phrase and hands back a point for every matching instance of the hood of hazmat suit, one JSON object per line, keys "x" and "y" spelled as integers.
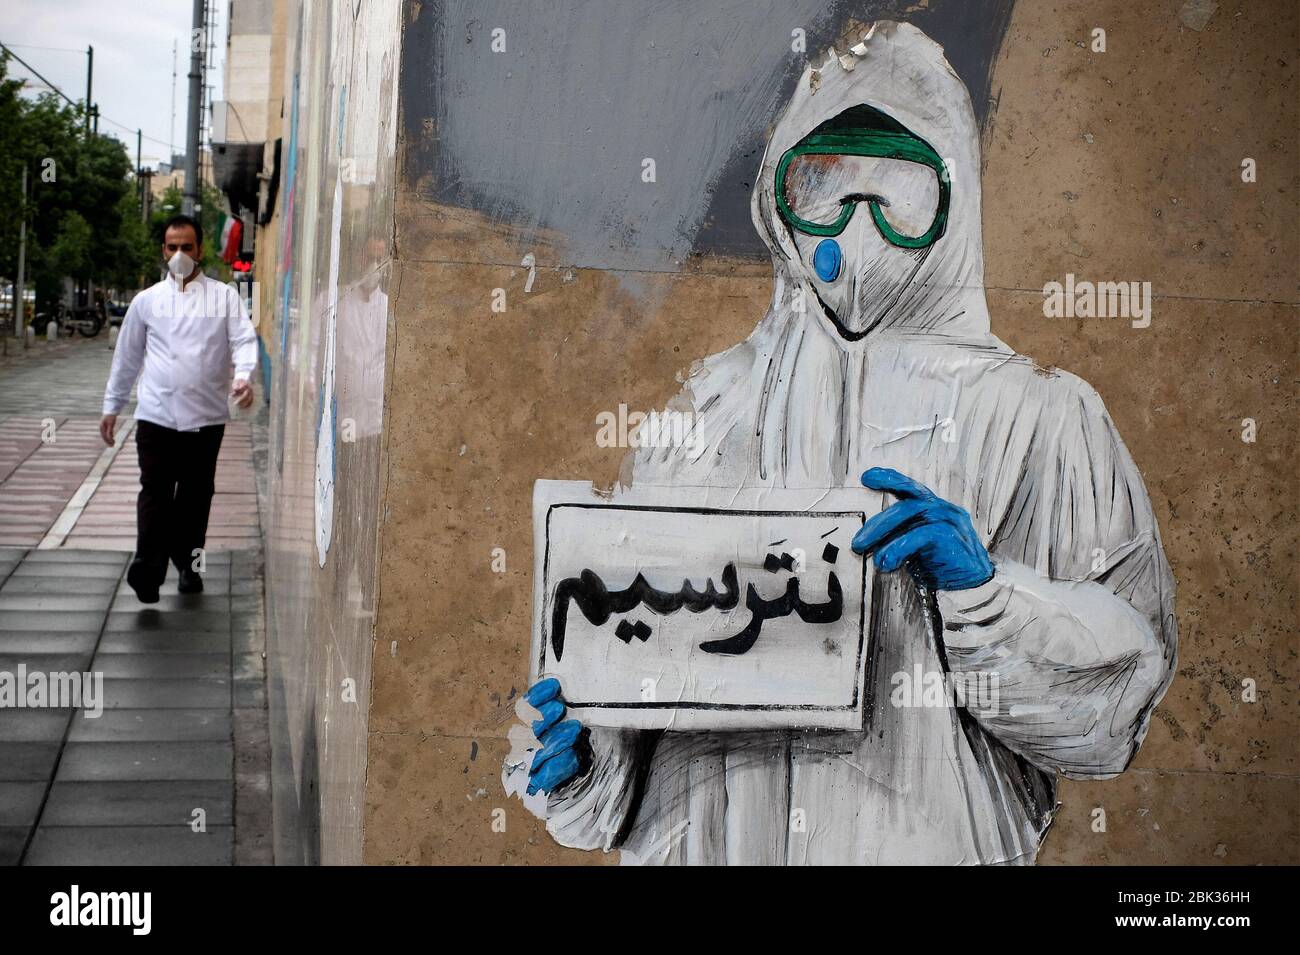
{"x": 880, "y": 355}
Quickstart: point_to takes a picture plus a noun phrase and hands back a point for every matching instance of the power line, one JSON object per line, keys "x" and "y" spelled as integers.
{"x": 55, "y": 49}
{"x": 151, "y": 139}
{"x": 51, "y": 86}
{"x": 39, "y": 77}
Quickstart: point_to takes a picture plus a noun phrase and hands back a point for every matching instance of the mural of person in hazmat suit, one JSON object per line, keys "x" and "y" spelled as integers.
{"x": 1020, "y": 544}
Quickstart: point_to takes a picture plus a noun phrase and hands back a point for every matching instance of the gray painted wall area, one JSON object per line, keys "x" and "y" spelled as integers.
{"x": 250, "y": 16}
{"x": 549, "y": 136}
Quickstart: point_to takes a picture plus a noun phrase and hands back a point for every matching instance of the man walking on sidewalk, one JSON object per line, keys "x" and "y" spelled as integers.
{"x": 186, "y": 331}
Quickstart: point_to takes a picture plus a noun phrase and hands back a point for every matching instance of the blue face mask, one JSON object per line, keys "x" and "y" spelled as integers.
{"x": 828, "y": 260}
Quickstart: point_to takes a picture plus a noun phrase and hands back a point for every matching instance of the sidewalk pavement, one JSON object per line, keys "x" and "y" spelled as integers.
{"x": 182, "y": 737}
{"x": 184, "y": 724}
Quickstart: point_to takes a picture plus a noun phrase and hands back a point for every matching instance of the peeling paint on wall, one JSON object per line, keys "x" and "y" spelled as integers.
{"x": 482, "y": 130}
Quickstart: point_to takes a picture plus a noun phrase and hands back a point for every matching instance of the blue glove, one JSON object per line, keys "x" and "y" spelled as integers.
{"x": 935, "y": 538}
{"x": 564, "y": 743}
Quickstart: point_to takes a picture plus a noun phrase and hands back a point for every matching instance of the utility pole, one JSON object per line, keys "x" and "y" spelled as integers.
{"x": 139, "y": 181}
{"x": 146, "y": 194}
{"x": 194, "y": 118}
{"x": 90, "y": 73}
{"x": 20, "y": 290}
{"x": 171, "y": 130}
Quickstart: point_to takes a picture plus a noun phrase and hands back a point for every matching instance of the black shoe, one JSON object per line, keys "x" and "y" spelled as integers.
{"x": 190, "y": 582}
{"x": 146, "y": 593}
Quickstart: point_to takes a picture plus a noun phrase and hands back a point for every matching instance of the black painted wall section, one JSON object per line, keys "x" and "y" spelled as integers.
{"x": 550, "y": 135}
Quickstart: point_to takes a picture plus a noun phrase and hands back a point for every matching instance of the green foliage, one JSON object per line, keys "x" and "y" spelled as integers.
{"x": 70, "y": 252}
{"x": 83, "y": 219}
{"x": 136, "y": 254}
{"x": 163, "y": 209}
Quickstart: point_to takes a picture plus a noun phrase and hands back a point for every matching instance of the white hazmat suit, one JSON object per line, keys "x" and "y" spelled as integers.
{"x": 1076, "y": 627}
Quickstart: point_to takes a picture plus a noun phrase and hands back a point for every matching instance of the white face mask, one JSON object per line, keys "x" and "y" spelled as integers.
{"x": 180, "y": 265}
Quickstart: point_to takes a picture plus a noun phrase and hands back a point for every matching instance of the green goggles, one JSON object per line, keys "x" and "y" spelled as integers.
{"x": 863, "y": 131}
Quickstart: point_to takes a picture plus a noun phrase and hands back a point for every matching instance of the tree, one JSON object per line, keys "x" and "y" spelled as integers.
{"x": 70, "y": 253}
{"x": 136, "y": 257}
{"x": 80, "y": 207}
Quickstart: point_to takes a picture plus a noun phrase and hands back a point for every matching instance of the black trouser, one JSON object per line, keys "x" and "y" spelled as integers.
{"x": 177, "y": 475}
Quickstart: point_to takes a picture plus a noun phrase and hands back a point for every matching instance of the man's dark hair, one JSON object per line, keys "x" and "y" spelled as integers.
{"x": 181, "y": 222}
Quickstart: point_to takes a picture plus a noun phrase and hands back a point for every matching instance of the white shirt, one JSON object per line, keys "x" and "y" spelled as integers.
{"x": 186, "y": 341}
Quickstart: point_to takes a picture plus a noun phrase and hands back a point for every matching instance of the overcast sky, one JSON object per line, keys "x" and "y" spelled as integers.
{"x": 133, "y": 60}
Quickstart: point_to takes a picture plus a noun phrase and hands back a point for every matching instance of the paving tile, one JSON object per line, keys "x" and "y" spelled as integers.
{"x": 150, "y": 803}
{"x": 43, "y": 641}
{"x": 102, "y": 522}
{"x": 20, "y": 803}
{"x": 191, "y": 621}
{"x": 166, "y": 694}
{"x": 249, "y": 666}
{"x": 87, "y": 762}
{"x": 246, "y": 603}
{"x": 130, "y": 845}
{"x": 25, "y": 525}
{"x": 153, "y": 726}
{"x": 12, "y": 840}
{"x": 245, "y": 570}
{"x": 212, "y": 568}
{"x": 142, "y": 666}
{"x": 170, "y": 602}
{"x": 33, "y": 726}
{"x": 21, "y": 762}
{"x": 249, "y": 641}
{"x": 58, "y": 585}
{"x": 117, "y": 542}
{"x": 250, "y": 694}
{"x": 58, "y": 620}
{"x": 170, "y": 641}
{"x": 66, "y": 556}
{"x": 51, "y": 569}
{"x": 215, "y": 580}
{"x": 251, "y": 621}
{"x": 42, "y": 663}
{"x": 47, "y": 602}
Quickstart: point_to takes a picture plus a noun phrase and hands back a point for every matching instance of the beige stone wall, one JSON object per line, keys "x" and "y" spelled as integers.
{"x": 1128, "y": 165}
{"x": 268, "y": 235}
{"x": 1122, "y": 165}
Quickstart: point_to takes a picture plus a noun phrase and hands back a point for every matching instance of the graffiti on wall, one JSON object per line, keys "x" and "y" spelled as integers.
{"x": 1017, "y": 604}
